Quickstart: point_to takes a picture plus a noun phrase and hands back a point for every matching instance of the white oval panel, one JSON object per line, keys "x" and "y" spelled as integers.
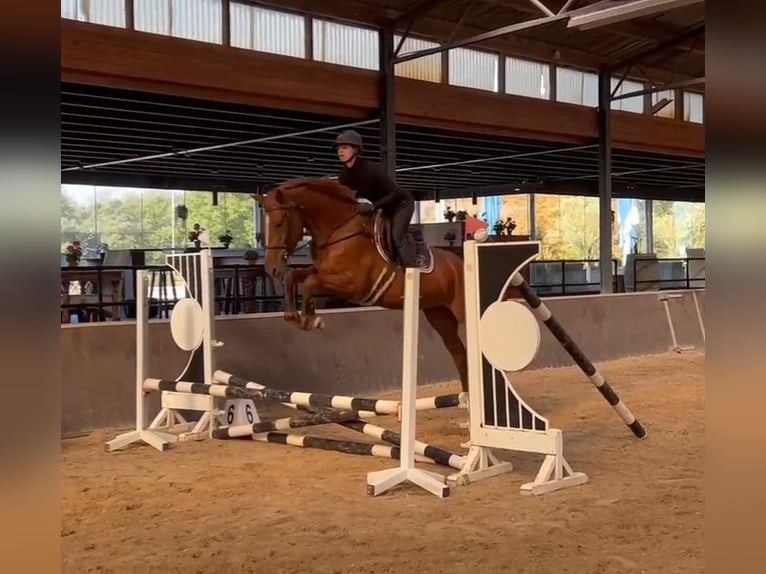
{"x": 186, "y": 324}
{"x": 509, "y": 335}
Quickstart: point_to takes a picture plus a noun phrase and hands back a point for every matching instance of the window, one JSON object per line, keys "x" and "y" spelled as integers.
{"x": 191, "y": 19}
{"x": 473, "y": 69}
{"x": 634, "y": 104}
{"x": 527, "y": 78}
{"x": 694, "y": 107}
{"x": 105, "y": 12}
{"x": 577, "y": 87}
{"x": 346, "y": 45}
{"x": 668, "y": 111}
{"x": 427, "y": 68}
{"x": 265, "y": 30}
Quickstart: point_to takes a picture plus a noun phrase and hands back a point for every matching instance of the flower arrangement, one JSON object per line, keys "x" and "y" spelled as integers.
{"x": 226, "y": 238}
{"x": 73, "y": 253}
{"x": 195, "y": 233}
{"x": 504, "y": 227}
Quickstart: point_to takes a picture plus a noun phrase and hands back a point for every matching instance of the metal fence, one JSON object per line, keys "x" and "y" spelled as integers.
{"x": 247, "y": 289}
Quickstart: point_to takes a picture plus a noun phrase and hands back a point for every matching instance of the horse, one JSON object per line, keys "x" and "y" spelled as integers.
{"x": 353, "y": 259}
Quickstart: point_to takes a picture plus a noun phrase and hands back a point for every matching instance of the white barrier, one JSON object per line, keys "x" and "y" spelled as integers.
{"x": 382, "y": 481}
{"x": 192, "y": 327}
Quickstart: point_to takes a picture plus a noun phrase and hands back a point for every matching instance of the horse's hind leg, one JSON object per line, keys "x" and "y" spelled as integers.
{"x": 445, "y": 323}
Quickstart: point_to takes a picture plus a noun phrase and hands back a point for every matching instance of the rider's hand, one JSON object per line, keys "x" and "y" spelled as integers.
{"x": 363, "y": 207}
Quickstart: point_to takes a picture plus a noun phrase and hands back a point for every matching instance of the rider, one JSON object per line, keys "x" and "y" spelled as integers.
{"x": 370, "y": 181}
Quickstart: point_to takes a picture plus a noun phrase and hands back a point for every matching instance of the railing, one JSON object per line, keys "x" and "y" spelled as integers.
{"x": 247, "y": 289}
{"x": 667, "y": 273}
{"x": 552, "y": 277}
{"x": 238, "y": 289}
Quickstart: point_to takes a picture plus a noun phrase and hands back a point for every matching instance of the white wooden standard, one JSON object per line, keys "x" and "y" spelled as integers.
{"x": 503, "y": 339}
{"x": 382, "y": 481}
{"x": 192, "y": 328}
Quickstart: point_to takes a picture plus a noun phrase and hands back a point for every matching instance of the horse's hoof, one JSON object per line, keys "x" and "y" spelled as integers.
{"x": 305, "y": 323}
{"x": 318, "y": 323}
{"x": 290, "y": 317}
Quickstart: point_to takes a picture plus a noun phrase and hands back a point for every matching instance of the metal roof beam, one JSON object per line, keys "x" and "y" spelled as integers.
{"x": 655, "y": 89}
{"x": 415, "y": 11}
{"x": 221, "y": 146}
{"x": 639, "y": 57}
{"x": 504, "y": 31}
{"x": 608, "y": 12}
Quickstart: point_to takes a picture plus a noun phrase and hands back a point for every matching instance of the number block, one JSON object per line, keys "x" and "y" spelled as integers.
{"x": 240, "y": 412}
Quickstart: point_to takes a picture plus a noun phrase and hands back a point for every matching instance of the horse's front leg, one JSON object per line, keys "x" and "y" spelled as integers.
{"x": 308, "y": 319}
{"x": 293, "y": 277}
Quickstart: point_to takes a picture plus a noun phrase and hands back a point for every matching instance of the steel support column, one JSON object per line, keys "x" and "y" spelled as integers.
{"x": 387, "y": 102}
{"x": 605, "y": 180}
{"x": 532, "y": 217}
{"x": 649, "y": 217}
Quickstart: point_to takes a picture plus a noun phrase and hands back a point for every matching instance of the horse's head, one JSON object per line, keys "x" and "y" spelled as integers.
{"x": 284, "y": 229}
{"x": 320, "y": 205}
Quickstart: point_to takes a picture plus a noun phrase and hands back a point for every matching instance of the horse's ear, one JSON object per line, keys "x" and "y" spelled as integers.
{"x": 279, "y": 195}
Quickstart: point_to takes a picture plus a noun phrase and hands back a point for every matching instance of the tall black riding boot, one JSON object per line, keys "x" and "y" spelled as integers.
{"x": 406, "y": 250}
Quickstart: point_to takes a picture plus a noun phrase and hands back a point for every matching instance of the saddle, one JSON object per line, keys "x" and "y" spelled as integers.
{"x": 385, "y": 245}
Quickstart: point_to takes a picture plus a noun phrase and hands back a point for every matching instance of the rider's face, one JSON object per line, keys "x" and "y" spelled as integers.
{"x": 345, "y": 152}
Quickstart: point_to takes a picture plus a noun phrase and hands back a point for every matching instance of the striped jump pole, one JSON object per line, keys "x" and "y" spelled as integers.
{"x": 422, "y": 404}
{"x": 441, "y": 402}
{"x": 377, "y": 406}
{"x": 345, "y": 446}
{"x": 229, "y": 391}
{"x": 359, "y": 414}
{"x": 542, "y": 312}
{"x": 435, "y": 453}
{"x": 319, "y": 418}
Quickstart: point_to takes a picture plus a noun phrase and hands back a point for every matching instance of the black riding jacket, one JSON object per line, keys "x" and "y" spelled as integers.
{"x": 370, "y": 181}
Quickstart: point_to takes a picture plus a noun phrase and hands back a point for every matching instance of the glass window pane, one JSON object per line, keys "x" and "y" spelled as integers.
{"x": 576, "y": 87}
{"x": 669, "y": 111}
{"x": 192, "y": 19}
{"x": 428, "y": 68}
{"x": 346, "y": 45}
{"x": 634, "y": 104}
{"x": 118, "y": 216}
{"x": 265, "y": 30}
{"x": 527, "y": 78}
{"x": 473, "y": 69}
{"x": 78, "y": 216}
{"x": 678, "y": 225}
{"x": 694, "y": 107}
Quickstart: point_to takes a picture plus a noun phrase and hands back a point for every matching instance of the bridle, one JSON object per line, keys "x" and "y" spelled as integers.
{"x": 289, "y": 208}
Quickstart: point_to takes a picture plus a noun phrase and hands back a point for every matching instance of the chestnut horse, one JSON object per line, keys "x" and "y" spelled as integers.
{"x": 348, "y": 263}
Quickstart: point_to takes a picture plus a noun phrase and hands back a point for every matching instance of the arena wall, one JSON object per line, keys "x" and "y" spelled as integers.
{"x": 358, "y": 352}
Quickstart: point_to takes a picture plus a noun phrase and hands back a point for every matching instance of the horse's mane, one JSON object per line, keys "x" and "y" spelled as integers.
{"x": 325, "y": 186}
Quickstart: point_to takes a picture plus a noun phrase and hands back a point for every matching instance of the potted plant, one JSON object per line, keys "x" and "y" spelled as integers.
{"x": 461, "y": 215}
{"x": 250, "y": 255}
{"x": 509, "y": 225}
{"x": 73, "y": 253}
{"x": 226, "y": 239}
{"x": 449, "y": 215}
{"x": 194, "y": 235}
{"x": 498, "y": 227}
